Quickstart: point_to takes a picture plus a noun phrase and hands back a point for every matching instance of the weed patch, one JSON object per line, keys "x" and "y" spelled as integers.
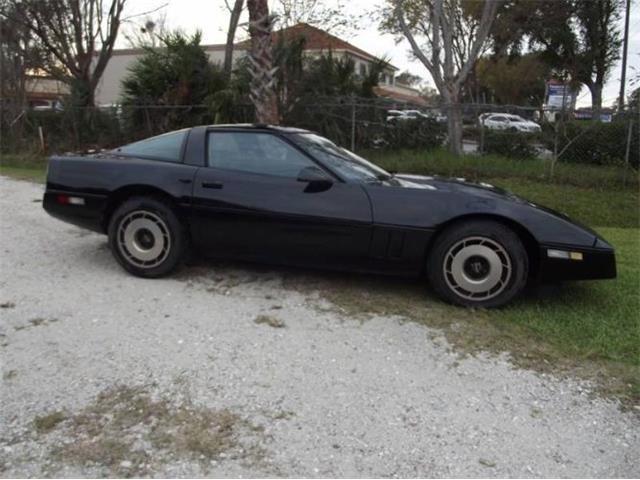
{"x": 269, "y": 320}
{"x": 126, "y": 432}
{"x": 46, "y": 423}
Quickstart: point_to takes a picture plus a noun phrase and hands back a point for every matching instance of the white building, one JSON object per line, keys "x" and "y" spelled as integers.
{"x": 317, "y": 42}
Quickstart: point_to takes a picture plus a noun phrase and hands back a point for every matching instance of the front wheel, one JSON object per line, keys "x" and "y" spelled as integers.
{"x": 146, "y": 237}
{"x": 478, "y": 264}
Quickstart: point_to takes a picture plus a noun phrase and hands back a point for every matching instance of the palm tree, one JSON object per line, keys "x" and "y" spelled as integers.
{"x": 262, "y": 69}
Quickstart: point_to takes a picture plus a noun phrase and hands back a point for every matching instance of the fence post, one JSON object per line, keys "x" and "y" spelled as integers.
{"x": 41, "y": 137}
{"x": 627, "y": 153}
{"x": 554, "y": 157}
{"x": 353, "y": 123}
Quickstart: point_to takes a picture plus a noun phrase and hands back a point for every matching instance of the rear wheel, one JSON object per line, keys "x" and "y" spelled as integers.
{"x": 478, "y": 264}
{"x": 146, "y": 237}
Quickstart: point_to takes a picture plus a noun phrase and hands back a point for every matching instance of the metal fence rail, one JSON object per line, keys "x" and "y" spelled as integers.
{"x": 358, "y": 123}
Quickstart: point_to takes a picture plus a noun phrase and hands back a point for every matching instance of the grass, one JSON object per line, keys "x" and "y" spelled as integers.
{"x": 594, "y": 195}
{"x": 588, "y": 320}
{"x": 474, "y": 167}
{"x": 24, "y": 167}
{"x": 610, "y": 207}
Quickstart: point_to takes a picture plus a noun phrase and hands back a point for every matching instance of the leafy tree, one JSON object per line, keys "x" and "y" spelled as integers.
{"x": 408, "y": 78}
{"x": 319, "y": 13}
{"x": 447, "y": 36}
{"x": 513, "y": 80}
{"x": 597, "y": 45}
{"x": 77, "y": 37}
{"x": 633, "y": 101}
{"x": 300, "y": 77}
{"x": 578, "y": 39}
{"x": 431, "y": 95}
{"x": 167, "y": 87}
{"x": 331, "y": 76}
{"x": 288, "y": 57}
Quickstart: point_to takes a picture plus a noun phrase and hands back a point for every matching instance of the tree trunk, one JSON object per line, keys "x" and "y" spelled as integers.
{"x": 231, "y": 35}
{"x": 454, "y": 123}
{"x": 596, "y": 100}
{"x": 262, "y": 70}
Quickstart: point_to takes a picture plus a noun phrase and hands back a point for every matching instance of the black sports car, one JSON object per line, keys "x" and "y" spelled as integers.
{"x": 289, "y": 196}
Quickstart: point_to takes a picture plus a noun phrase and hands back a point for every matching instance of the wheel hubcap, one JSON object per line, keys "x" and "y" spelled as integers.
{"x": 143, "y": 239}
{"x": 477, "y": 268}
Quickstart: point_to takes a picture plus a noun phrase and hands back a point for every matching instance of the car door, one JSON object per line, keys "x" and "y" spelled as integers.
{"x": 248, "y": 201}
{"x": 495, "y": 122}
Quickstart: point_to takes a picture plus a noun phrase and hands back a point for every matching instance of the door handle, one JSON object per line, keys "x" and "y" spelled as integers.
{"x": 215, "y": 185}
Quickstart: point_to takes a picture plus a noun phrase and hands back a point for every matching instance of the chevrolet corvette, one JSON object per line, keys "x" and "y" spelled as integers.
{"x": 289, "y": 196}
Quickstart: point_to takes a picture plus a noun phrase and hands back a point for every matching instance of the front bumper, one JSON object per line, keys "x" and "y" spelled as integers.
{"x": 595, "y": 263}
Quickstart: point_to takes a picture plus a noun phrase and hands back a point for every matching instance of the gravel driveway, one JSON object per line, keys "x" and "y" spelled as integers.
{"x": 229, "y": 372}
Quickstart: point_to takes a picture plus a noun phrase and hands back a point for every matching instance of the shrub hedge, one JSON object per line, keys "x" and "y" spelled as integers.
{"x": 596, "y": 143}
{"x": 509, "y": 144}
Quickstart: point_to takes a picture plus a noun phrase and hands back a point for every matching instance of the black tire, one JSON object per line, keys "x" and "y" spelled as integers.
{"x": 146, "y": 237}
{"x": 479, "y": 263}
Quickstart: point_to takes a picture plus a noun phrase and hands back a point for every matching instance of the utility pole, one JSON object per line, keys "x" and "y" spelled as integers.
{"x": 625, "y": 45}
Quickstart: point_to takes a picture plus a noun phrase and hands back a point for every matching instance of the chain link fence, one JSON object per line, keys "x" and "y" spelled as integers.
{"x": 358, "y": 123}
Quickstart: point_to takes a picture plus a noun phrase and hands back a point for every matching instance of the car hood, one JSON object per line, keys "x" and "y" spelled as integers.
{"x": 480, "y": 190}
{"x": 459, "y": 184}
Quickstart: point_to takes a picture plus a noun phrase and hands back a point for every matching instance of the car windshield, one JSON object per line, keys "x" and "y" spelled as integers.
{"x": 347, "y": 164}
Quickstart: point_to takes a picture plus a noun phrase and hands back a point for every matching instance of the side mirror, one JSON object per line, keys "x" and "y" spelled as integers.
{"x": 318, "y": 180}
{"x": 314, "y": 175}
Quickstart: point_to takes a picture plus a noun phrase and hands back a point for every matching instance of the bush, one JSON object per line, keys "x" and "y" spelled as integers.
{"x": 509, "y": 144}
{"x": 423, "y": 133}
{"x": 596, "y": 143}
{"x": 176, "y": 82}
{"x": 72, "y": 129}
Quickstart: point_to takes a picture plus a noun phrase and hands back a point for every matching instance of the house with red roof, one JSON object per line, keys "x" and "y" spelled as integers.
{"x": 317, "y": 42}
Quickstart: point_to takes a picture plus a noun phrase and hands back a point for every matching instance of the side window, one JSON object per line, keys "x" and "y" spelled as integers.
{"x": 167, "y": 147}
{"x": 260, "y": 153}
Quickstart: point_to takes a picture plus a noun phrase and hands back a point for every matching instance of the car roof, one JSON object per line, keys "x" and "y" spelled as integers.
{"x": 256, "y": 126}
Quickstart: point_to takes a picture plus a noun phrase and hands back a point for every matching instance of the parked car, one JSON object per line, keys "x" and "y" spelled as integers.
{"x": 289, "y": 196}
{"x": 405, "y": 115}
{"x": 393, "y": 115}
{"x": 436, "y": 115}
{"x": 505, "y": 121}
{"x": 46, "y": 105}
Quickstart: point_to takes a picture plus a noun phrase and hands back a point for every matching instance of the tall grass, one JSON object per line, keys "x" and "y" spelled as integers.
{"x": 481, "y": 167}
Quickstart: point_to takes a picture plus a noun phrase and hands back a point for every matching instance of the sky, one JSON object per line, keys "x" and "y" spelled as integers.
{"x": 211, "y": 18}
